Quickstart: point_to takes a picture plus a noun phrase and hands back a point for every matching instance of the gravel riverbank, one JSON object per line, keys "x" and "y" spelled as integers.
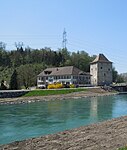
{"x": 90, "y": 93}
{"x": 108, "y": 135}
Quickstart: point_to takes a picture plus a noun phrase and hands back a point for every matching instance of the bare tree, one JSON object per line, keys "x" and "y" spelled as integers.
{"x": 2, "y": 46}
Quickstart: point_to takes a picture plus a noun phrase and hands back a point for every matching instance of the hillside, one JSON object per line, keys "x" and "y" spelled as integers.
{"x": 30, "y": 62}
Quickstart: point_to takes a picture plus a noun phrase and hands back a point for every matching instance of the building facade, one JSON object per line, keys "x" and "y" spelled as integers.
{"x": 64, "y": 75}
{"x": 101, "y": 71}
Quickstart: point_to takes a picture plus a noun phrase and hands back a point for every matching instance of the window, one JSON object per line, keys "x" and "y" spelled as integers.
{"x": 109, "y": 69}
{"x": 104, "y": 74}
{"x": 41, "y": 78}
{"x": 68, "y": 77}
{"x": 74, "y": 77}
{"x": 65, "y": 77}
{"x": 101, "y": 67}
{"x": 50, "y": 80}
{"x": 47, "y": 72}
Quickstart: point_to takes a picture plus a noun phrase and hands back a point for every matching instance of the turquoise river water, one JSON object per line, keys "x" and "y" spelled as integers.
{"x": 22, "y": 121}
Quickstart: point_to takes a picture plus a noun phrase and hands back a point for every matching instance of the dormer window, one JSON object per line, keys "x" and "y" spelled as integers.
{"x": 47, "y": 72}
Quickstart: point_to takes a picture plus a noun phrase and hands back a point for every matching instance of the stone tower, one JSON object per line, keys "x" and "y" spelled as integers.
{"x": 101, "y": 71}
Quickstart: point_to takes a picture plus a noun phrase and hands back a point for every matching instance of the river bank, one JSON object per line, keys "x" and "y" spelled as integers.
{"x": 108, "y": 135}
{"x": 90, "y": 93}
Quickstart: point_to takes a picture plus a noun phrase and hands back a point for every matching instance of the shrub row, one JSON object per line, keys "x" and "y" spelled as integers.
{"x": 59, "y": 86}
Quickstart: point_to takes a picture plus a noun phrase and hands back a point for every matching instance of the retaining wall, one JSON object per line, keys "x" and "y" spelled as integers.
{"x": 12, "y": 93}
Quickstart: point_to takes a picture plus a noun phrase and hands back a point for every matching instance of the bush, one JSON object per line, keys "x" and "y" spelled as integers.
{"x": 55, "y": 86}
{"x": 124, "y": 148}
{"x": 51, "y": 86}
{"x": 72, "y": 86}
{"x": 58, "y": 85}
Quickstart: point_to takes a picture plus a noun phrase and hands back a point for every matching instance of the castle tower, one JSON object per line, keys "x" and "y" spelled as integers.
{"x": 101, "y": 71}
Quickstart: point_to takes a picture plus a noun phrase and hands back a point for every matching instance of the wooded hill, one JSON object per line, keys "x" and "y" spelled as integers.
{"x": 27, "y": 63}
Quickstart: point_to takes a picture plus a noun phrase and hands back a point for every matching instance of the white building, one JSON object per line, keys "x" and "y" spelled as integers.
{"x": 65, "y": 75}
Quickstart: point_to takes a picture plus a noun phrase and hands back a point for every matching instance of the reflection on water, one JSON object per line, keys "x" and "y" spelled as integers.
{"x": 93, "y": 108}
{"x": 23, "y": 121}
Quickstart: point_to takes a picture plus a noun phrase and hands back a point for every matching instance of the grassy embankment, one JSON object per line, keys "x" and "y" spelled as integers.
{"x": 52, "y": 92}
{"x": 125, "y": 148}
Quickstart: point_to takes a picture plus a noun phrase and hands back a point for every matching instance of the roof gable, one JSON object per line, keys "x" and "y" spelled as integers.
{"x": 101, "y": 58}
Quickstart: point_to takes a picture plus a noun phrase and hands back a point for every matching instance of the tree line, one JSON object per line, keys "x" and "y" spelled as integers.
{"x": 24, "y": 64}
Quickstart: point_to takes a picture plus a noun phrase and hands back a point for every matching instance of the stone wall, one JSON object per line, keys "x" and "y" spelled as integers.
{"x": 94, "y": 73}
{"x": 101, "y": 73}
{"x": 104, "y": 73}
{"x": 12, "y": 93}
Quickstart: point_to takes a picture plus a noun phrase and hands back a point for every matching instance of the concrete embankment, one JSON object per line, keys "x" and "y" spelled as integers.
{"x": 12, "y": 93}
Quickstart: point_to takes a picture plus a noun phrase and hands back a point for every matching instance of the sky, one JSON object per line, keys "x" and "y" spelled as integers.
{"x": 95, "y": 26}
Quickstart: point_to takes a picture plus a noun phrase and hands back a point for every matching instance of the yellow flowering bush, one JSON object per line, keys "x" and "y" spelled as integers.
{"x": 58, "y": 85}
{"x": 72, "y": 86}
{"x": 51, "y": 86}
{"x": 55, "y": 86}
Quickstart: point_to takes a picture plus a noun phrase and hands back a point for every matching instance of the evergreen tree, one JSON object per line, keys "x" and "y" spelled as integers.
{"x": 3, "y": 86}
{"x": 14, "y": 81}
